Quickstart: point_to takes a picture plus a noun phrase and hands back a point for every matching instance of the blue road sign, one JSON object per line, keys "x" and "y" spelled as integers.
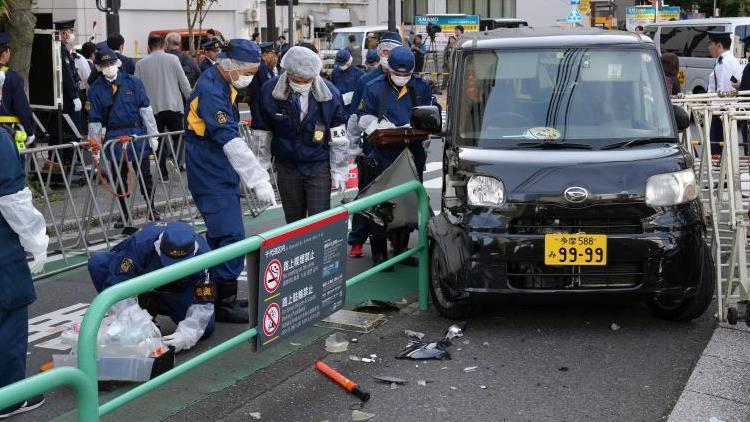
{"x": 574, "y": 16}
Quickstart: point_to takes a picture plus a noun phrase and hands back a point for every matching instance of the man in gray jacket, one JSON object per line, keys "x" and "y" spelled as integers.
{"x": 167, "y": 87}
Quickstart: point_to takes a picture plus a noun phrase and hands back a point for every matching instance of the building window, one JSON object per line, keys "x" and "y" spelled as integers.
{"x": 411, "y": 8}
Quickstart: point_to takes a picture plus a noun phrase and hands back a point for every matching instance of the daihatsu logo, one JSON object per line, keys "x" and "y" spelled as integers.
{"x": 576, "y": 194}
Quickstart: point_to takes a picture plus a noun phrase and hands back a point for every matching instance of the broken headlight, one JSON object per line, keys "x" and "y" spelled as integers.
{"x": 485, "y": 191}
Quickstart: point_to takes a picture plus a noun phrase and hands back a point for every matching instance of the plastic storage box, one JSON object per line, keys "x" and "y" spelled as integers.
{"x": 114, "y": 368}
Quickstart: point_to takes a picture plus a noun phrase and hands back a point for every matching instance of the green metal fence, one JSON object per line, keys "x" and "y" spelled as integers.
{"x": 84, "y": 378}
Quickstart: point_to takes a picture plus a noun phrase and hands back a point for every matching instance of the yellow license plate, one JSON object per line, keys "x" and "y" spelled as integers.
{"x": 575, "y": 249}
{"x": 681, "y": 76}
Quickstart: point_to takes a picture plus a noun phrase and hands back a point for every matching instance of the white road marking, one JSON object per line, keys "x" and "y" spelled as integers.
{"x": 434, "y": 183}
{"x": 51, "y": 324}
{"x": 433, "y": 166}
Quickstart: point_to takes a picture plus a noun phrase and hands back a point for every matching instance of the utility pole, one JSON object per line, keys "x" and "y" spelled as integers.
{"x": 271, "y": 20}
{"x": 392, "y": 15}
{"x": 112, "y": 9}
{"x": 713, "y": 12}
{"x": 292, "y": 29}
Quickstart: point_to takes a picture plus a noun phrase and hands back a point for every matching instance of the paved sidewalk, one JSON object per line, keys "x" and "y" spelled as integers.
{"x": 719, "y": 387}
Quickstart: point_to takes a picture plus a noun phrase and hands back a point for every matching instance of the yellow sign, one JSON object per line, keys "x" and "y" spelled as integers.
{"x": 575, "y": 249}
{"x": 584, "y": 7}
{"x": 681, "y": 76}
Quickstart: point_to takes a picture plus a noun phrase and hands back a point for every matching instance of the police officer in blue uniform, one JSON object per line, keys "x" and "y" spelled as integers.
{"x": 360, "y": 225}
{"x": 390, "y": 98}
{"x": 189, "y": 302}
{"x": 15, "y": 111}
{"x": 211, "y": 49}
{"x": 71, "y": 101}
{"x": 372, "y": 60}
{"x": 345, "y": 76}
{"x": 22, "y": 230}
{"x": 218, "y": 158}
{"x": 117, "y": 102}
{"x": 269, "y": 55}
{"x": 307, "y": 120}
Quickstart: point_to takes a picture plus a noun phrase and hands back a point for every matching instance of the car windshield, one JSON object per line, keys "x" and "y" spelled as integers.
{"x": 588, "y": 96}
{"x": 341, "y": 39}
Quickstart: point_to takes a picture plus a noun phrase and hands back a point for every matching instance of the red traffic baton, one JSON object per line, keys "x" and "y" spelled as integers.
{"x": 341, "y": 380}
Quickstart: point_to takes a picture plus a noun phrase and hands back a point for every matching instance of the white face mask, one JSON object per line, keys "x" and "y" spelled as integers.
{"x": 242, "y": 81}
{"x": 400, "y": 80}
{"x": 300, "y": 88}
{"x": 110, "y": 72}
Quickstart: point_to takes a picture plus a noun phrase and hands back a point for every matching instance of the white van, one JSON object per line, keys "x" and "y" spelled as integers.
{"x": 340, "y": 39}
{"x": 689, "y": 40}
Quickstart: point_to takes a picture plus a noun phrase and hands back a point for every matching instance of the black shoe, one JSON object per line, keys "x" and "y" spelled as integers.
{"x": 30, "y": 404}
{"x": 231, "y": 312}
{"x": 380, "y": 253}
{"x": 242, "y": 303}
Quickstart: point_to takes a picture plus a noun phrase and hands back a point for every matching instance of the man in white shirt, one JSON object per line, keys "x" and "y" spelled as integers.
{"x": 727, "y": 70}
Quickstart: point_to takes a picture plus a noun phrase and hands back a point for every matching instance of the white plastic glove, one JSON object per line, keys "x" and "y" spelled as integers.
{"x": 244, "y": 162}
{"x": 154, "y": 142}
{"x": 178, "y": 340}
{"x": 37, "y": 265}
{"x": 190, "y": 329}
{"x": 77, "y": 104}
{"x": 30, "y": 140}
{"x": 339, "y": 183}
{"x": 264, "y": 192}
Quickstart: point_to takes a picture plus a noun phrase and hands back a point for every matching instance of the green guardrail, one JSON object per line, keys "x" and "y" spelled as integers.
{"x": 84, "y": 378}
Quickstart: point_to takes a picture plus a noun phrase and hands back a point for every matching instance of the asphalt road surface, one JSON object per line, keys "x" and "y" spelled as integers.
{"x": 540, "y": 362}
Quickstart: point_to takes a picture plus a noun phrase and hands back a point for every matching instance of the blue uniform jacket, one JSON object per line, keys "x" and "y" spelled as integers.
{"x": 205, "y": 65}
{"x": 119, "y": 112}
{"x": 397, "y": 105}
{"x": 293, "y": 140}
{"x": 263, "y": 74}
{"x": 14, "y": 101}
{"x": 136, "y": 256}
{"x": 361, "y": 85}
{"x": 70, "y": 81}
{"x": 212, "y": 121}
{"x": 128, "y": 64}
{"x": 346, "y": 80}
{"x": 16, "y": 288}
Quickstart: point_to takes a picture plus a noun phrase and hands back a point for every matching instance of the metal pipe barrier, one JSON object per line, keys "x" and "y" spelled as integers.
{"x": 77, "y": 193}
{"x": 87, "y": 388}
{"x": 720, "y": 179}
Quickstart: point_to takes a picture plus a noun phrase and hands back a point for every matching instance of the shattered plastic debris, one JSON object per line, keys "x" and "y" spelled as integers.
{"x": 453, "y": 388}
{"x": 336, "y": 343}
{"x": 455, "y": 331}
{"x": 376, "y": 306}
{"x": 486, "y": 343}
{"x": 614, "y": 327}
{"x": 354, "y": 340}
{"x": 394, "y": 386}
{"x": 563, "y": 369}
{"x": 444, "y": 368}
{"x": 422, "y": 383}
{"x": 414, "y": 334}
{"x": 418, "y": 351}
{"x": 715, "y": 419}
{"x": 483, "y": 387}
{"x": 358, "y": 415}
{"x": 295, "y": 344}
{"x": 355, "y": 358}
{"x": 254, "y": 415}
{"x": 470, "y": 368}
{"x": 390, "y": 379}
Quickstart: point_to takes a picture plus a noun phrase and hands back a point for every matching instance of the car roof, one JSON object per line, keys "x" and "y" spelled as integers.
{"x": 362, "y": 28}
{"x": 549, "y": 37}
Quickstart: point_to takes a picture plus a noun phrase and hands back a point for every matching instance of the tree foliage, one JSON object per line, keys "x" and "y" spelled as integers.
{"x": 196, "y": 11}
{"x": 18, "y": 20}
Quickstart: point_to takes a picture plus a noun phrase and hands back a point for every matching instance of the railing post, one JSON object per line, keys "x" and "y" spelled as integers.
{"x": 424, "y": 252}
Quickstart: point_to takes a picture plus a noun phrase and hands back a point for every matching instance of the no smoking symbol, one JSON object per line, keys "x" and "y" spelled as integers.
{"x": 271, "y": 319}
{"x": 272, "y": 277}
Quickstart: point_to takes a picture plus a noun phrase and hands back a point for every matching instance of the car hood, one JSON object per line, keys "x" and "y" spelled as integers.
{"x": 544, "y": 175}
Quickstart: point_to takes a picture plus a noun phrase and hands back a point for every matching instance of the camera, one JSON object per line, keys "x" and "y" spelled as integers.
{"x": 433, "y": 29}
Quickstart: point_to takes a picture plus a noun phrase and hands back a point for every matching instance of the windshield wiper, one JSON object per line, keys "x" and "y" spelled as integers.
{"x": 641, "y": 141}
{"x": 552, "y": 145}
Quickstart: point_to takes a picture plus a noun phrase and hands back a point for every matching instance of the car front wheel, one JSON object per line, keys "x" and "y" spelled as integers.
{"x": 694, "y": 306}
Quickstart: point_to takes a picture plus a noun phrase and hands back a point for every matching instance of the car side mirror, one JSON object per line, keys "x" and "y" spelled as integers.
{"x": 681, "y": 118}
{"x": 427, "y": 118}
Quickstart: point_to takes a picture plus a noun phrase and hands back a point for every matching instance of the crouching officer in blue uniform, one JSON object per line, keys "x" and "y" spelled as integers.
{"x": 22, "y": 230}
{"x": 15, "y": 112}
{"x": 189, "y": 302}
{"x": 117, "y": 102}
{"x": 345, "y": 76}
{"x": 307, "y": 121}
{"x": 211, "y": 48}
{"x": 387, "y": 102}
{"x": 218, "y": 158}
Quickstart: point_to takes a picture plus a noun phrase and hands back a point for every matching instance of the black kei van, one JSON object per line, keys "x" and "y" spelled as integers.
{"x": 563, "y": 175}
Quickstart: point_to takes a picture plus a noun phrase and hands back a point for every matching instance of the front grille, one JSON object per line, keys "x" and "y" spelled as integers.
{"x": 575, "y": 225}
{"x": 536, "y": 275}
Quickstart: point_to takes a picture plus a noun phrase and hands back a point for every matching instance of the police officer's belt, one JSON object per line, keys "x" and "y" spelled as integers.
{"x": 128, "y": 125}
{"x": 397, "y": 138}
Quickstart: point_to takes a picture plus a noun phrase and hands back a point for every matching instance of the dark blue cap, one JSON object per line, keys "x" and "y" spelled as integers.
{"x": 105, "y": 56}
{"x": 343, "y": 56}
{"x": 372, "y": 57}
{"x": 401, "y": 59}
{"x": 177, "y": 243}
{"x": 102, "y": 45}
{"x": 242, "y": 50}
{"x": 65, "y": 24}
{"x": 719, "y": 35}
{"x": 391, "y": 37}
{"x": 4, "y": 40}
{"x": 268, "y": 47}
{"x": 212, "y": 44}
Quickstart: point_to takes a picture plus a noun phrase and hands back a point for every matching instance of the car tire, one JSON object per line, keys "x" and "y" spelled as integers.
{"x": 445, "y": 304}
{"x": 692, "y": 307}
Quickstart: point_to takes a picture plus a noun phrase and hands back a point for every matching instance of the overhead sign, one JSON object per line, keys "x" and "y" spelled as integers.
{"x": 574, "y": 16}
{"x": 644, "y": 15}
{"x": 301, "y": 278}
{"x": 447, "y": 23}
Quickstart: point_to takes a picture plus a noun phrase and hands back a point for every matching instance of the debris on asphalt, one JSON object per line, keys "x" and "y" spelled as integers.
{"x": 486, "y": 343}
{"x": 358, "y": 415}
{"x": 419, "y": 351}
{"x": 295, "y": 344}
{"x": 455, "y": 331}
{"x": 444, "y": 368}
{"x": 390, "y": 379}
{"x": 355, "y": 358}
{"x": 403, "y": 301}
{"x": 342, "y": 381}
{"x": 465, "y": 342}
{"x": 453, "y": 388}
{"x": 358, "y": 322}
{"x": 470, "y": 368}
{"x": 336, "y": 343}
{"x": 359, "y": 359}
{"x": 394, "y": 386}
{"x": 354, "y": 340}
{"x": 376, "y": 306}
{"x": 563, "y": 369}
{"x": 254, "y": 416}
{"x": 414, "y": 334}
{"x": 422, "y": 383}
{"x": 614, "y": 327}
{"x": 715, "y": 419}
{"x": 483, "y": 387}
